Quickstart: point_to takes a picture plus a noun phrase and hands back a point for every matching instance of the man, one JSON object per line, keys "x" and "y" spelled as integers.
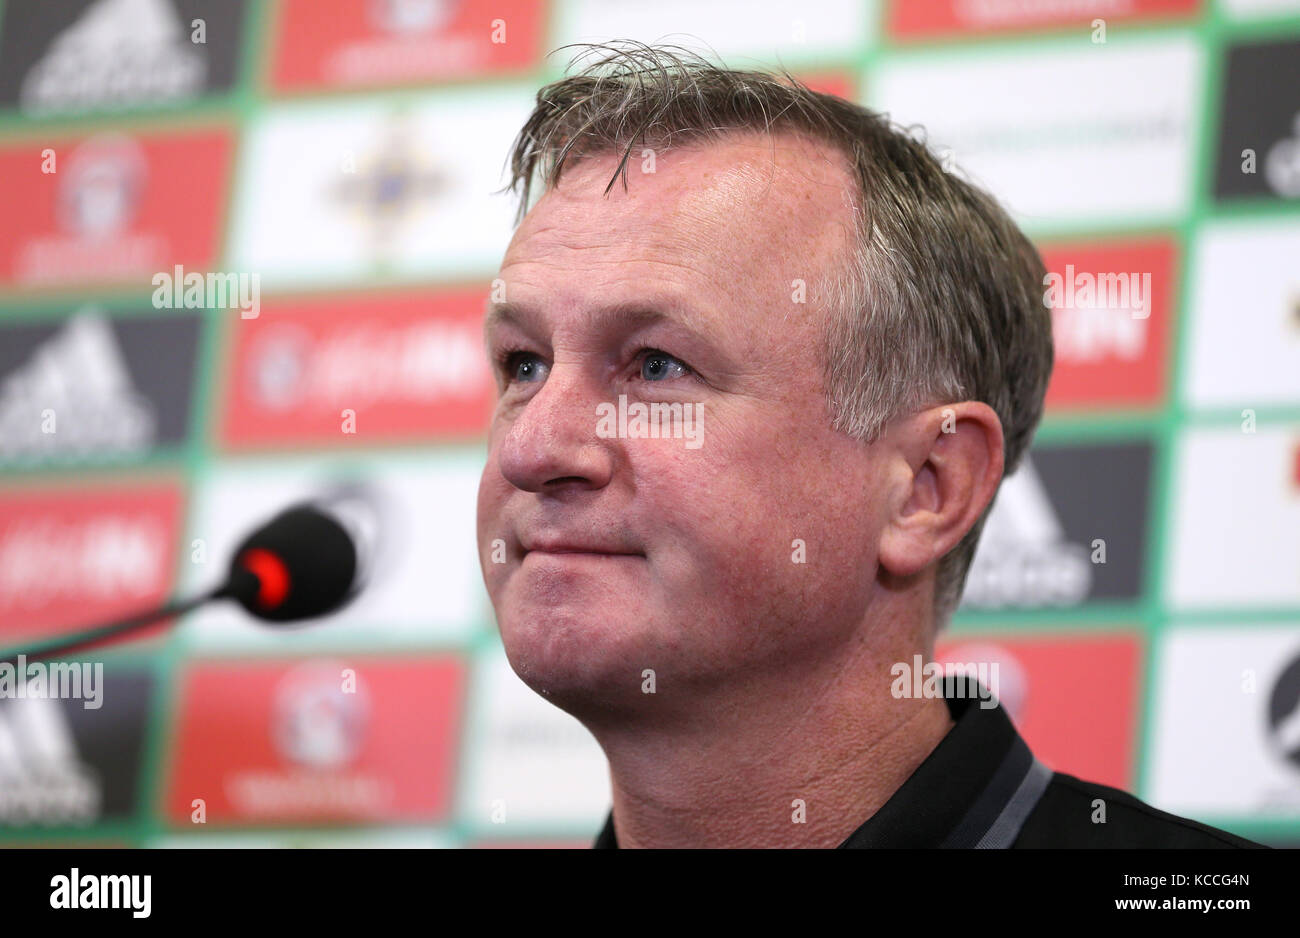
{"x": 840, "y": 349}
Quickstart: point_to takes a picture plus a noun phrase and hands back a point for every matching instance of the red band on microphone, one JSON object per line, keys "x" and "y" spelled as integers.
{"x": 272, "y": 576}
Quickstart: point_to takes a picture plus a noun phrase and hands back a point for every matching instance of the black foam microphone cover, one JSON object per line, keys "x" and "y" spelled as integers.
{"x": 303, "y": 563}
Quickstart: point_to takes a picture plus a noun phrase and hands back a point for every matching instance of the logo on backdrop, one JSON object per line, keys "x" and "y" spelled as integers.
{"x": 1068, "y": 527}
{"x": 411, "y": 16}
{"x": 94, "y": 385}
{"x": 79, "y": 374}
{"x": 354, "y": 43}
{"x": 117, "y": 50}
{"x": 63, "y": 764}
{"x": 112, "y": 207}
{"x": 1284, "y": 712}
{"x": 392, "y": 184}
{"x": 316, "y": 721}
{"x": 1259, "y": 120}
{"x": 298, "y": 370}
{"x": 60, "y": 56}
{"x": 70, "y": 555}
{"x": 101, "y": 191}
{"x": 1111, "y": 354}
{"x": 312, "y": 740}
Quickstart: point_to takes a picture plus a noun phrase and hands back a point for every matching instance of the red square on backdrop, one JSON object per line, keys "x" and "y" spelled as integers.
{"x": 929, "y": 19}
{"x": 1074, "y": 699}
{"x": 117, "y": 207}
{"x": 71, "y": 558}
{"x": 326, "y": 44}
{"x": 1111, "y": 356}
{"x": 364, "y": 740}
{"x": 407, "y": 365}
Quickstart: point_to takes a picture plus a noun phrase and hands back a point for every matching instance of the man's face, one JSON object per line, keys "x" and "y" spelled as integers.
{"x": 731, "y": 557}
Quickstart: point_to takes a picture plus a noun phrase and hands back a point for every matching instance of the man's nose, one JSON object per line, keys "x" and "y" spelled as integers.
{"x": 552, "y": 443}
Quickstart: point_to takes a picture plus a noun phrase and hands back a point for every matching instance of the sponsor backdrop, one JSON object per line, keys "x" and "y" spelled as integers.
{"x": 333, "y": 164}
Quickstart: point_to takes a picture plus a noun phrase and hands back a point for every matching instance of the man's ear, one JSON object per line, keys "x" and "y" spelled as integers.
{"x": 946, "y": 463}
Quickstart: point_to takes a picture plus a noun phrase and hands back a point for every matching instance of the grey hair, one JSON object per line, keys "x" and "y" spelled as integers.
{"x": 940, "y": 300}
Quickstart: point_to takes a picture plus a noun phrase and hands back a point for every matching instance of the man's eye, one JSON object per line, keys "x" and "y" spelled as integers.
{"x": 660, "y": 366}
{"x": 523, "y": 366}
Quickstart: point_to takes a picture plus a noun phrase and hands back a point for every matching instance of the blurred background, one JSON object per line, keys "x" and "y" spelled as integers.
{"x": 333, "y": 164}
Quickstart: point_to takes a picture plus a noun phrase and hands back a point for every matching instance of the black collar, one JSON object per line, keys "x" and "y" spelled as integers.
{"x": 974, "y": 790}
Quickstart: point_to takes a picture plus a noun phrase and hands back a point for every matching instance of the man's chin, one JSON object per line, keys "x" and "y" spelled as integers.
{"x": 578, "y": 660}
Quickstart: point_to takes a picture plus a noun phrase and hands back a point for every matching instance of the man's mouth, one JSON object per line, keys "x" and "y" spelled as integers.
{"x": 577, "y": 549}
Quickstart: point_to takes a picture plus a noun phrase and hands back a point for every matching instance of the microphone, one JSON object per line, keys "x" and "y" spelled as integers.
{"x": 301, "y": 564}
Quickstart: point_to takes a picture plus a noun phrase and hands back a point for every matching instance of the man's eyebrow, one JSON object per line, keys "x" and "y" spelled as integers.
{"x": 636, "y": 313}
{"x": 495, "y": 314}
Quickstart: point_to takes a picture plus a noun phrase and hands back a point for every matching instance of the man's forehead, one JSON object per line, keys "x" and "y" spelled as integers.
{"x": 722, "y": 228}
{"x": 667, "y": 216}
{"x": 756, "y": 188}
{"x": 601, "y": 272}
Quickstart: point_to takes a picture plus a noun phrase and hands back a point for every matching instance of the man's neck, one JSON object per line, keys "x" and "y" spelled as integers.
{"x": 772, "y": 769}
